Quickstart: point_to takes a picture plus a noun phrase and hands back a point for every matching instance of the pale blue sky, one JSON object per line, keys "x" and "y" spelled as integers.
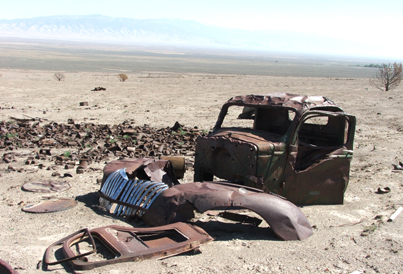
{"x": 376, "y": 22}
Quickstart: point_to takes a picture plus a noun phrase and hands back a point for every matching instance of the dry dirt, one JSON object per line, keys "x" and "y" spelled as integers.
{"x": 338, "y": 244}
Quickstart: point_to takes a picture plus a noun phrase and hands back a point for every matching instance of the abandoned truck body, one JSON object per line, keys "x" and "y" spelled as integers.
{"x": 299, "y": 147}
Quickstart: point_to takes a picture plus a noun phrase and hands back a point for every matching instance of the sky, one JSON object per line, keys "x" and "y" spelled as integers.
{"x": 375, "y": 23}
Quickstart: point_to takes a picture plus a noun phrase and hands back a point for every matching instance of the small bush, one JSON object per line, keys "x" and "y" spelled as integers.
{"x": 58, "y": 76}
{"x": 123, "y": 77}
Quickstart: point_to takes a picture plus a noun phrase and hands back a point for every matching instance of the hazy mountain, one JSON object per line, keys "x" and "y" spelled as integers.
{"x": 163, "y": 31}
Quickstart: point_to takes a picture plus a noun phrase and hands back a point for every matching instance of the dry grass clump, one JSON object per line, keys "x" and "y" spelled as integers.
{"x": 123, "y": 77}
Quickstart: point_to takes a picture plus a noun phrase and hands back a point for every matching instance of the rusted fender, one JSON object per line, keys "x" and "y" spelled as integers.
{"x": 177, "y": 204}
{"x": 5, "y": 268}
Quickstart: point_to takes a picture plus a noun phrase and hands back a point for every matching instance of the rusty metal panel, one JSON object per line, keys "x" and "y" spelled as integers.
{"x": 115, "y": 244}
{"x": 322, "y": 183}
{"x": 51, "y": 206}
{"x": 227, "y": 158}
{"x": 46, "y": 186}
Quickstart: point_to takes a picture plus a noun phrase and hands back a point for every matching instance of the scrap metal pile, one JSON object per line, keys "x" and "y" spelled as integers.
{"x": 88, "y": 142}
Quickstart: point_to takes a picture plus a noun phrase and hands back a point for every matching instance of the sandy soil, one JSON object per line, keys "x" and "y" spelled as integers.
{"x": 338, "y": 244}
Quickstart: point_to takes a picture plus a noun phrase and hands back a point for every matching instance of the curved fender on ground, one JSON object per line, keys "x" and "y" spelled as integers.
{"x": 178, "y": 203}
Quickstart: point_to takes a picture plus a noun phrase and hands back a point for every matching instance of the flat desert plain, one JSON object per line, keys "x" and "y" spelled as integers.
{"x": 351, "y": 237}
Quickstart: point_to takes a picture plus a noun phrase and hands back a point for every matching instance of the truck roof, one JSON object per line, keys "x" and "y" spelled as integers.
{"x": 299, "y": 103}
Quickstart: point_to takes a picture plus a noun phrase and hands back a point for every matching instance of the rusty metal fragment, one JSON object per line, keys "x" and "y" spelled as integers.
{"x": 46, "y": 187}
{"x": 299, "y": 147}
{"x": 9, "y": 157}
{"x": 157, "y": 170}
{"x": 51, "y": 206}
{"x": 159, "y": 205}
{"x": 121, "y": 244}
{"x": 178, "y": 164}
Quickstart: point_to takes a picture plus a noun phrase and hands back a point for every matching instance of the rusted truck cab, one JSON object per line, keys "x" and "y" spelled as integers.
{"x": 299, "y": 147}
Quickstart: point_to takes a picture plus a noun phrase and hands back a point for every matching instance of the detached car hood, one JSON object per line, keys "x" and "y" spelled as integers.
{"x": 258, "y": 137}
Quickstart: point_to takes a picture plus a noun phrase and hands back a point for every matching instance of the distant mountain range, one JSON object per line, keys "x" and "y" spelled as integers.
{"x": 99, "y": 28}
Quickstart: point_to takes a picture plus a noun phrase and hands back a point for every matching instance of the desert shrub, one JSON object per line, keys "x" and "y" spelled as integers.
{"x": 123, "y": 77}
{"x": 373, "y": 66}
{"x": 58, "y": 76}
{"x": 388, "y": 77}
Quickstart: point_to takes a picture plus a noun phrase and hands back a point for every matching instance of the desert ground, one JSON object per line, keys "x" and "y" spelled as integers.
{"x": 351, "y": 237}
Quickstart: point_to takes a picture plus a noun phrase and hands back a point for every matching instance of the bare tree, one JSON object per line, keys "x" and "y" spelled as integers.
{"x": 58, "y": 76}
{"x": 388, "y": 77}
{"x": 123, "y": 77}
